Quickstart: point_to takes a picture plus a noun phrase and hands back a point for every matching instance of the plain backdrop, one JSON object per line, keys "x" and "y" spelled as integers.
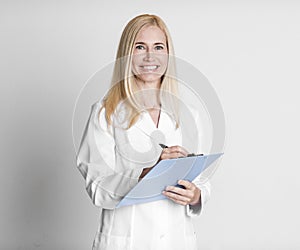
{"x": 249, "y": 51}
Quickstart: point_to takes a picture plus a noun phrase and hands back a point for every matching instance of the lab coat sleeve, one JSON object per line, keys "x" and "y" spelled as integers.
{"x": 96, "y": 160}
{"x": 200, "y": 181}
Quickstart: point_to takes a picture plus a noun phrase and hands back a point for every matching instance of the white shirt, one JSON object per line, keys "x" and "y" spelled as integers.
{"x": 111, "y": 160}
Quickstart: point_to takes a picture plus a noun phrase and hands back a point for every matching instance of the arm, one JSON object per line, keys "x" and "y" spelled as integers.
{"x": 106, "y": 183}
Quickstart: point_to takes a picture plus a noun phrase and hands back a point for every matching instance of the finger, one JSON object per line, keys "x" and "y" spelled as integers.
{"x": 165, "y": 155}
{"x": 176, "y": 149}
{"x": 178, "y": 190}
{"x": 192, "y": 190}
{"x": 176, "y": 155}
{"x": 173, "y": 155}
{"x": 179, "y": 149}
{"x": 187, "y": 184}
{"x": 184, "y": 151}
{"x": 176, "y": 196}
{"x": 179, "y": 202}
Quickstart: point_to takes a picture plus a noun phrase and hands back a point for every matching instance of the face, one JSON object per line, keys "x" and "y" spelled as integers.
{"x": 150, "y": 55}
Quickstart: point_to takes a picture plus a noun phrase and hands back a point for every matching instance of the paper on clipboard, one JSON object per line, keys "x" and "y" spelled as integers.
{"x": 167, "y": 173}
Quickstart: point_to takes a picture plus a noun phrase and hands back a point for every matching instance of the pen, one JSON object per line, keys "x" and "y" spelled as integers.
{"x": 163, "y": 145}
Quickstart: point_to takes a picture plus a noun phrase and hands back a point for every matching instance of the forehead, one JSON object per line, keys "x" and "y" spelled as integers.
{"x": 151, "y": 34}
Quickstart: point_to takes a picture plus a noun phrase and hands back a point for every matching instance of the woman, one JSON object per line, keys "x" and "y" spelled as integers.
{"x": 121, "y": 145}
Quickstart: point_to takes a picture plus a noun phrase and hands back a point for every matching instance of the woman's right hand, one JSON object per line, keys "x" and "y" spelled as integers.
{"x": 173, "y": 152}
{"x": 167, "y": 153}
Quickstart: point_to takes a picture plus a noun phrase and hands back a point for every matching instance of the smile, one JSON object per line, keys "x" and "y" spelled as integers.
{"x": 149, "y": 67}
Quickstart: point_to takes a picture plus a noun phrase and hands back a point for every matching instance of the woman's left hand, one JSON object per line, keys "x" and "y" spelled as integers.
{"x": 188, "y": 196}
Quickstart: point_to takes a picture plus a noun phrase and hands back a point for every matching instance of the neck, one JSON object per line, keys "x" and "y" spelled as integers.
{"x": 149, "y": 93}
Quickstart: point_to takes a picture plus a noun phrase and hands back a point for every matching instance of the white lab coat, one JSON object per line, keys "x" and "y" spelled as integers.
{"x": 105, "y": 161}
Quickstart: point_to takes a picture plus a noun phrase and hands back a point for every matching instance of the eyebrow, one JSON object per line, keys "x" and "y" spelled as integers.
{"x": 154, "y": 43}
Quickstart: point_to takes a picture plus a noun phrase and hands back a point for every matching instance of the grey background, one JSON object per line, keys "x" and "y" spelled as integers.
{"x": 249, "y": 50}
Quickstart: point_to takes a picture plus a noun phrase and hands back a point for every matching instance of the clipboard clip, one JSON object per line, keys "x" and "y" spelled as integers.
{"x": 192, "y": 154}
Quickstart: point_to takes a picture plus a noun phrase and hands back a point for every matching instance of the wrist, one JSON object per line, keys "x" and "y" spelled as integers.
{"x": 144, "y": 172}
{"x": 195, "y": 203}
{"x": 197, "y": 200}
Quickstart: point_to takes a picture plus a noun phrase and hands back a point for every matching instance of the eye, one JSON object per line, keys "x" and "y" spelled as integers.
{"x": 159, "y": 47}
{"x": 140, "y": 47}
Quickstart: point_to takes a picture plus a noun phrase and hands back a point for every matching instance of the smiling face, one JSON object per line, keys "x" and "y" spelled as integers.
{"x": 150, "y": 56}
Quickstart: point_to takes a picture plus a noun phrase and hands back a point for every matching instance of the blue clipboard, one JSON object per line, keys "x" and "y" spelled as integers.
{"x": 167, "y": 173}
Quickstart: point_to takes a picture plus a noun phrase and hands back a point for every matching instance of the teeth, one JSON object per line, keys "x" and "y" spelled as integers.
{"x": 150, "y": 67}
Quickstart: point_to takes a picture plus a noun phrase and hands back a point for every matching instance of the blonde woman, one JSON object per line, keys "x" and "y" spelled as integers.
{"x": 121, "y": 145}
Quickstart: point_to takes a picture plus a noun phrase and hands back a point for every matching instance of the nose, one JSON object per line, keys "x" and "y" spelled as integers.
{"x": 149, "y": 56}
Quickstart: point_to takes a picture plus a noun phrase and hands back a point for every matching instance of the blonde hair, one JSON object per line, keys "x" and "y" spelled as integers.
{"x": 123, "y": 86}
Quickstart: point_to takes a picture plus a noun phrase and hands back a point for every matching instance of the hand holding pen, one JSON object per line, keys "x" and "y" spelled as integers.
{"x": 172, "y": 152}
{"x": 167, "y": 153}
{"x": 176, "y": 151}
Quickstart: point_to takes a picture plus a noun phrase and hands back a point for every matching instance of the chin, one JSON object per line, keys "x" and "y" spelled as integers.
{"x": 149, "y": 77}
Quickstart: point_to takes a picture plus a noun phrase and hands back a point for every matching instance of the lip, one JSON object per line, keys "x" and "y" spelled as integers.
{"x": 149, "y": 67}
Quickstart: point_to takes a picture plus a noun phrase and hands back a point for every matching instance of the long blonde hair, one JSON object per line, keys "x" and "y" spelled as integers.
{"x": 123, "y": 86}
